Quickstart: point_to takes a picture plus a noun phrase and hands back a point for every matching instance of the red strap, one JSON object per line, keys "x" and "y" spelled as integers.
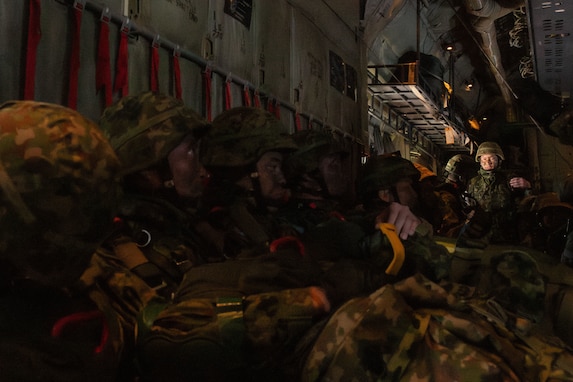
{"x": 277, "y": 109}
{"x": 154, "y": 71}
{"x": 337, "y": 215}
{"x": 270, "y": 106}
{"x": 257, "y": 99}
{"x": 297, "y": 121}
{"x": 75, "y": 57}
{"x": 121, "y": 80}
{"x": 80, "y": 317}
{"x": 103, "y": 67}
{"x": 207, "y": 82}
{"x": 228, "y": 100}
{"x": 34, "y": 35}
{"x": 177, "y": 74}
{"x": 246, "y": 96}
{"x": 277, "y": 243}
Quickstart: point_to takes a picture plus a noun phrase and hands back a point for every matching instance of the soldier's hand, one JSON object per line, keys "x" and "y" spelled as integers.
{"x": 519, "y": 182}
{"x": 403, "y": 219}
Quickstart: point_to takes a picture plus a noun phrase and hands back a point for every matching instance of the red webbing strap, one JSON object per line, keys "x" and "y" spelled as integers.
{"x": 246, "y": 96}
{"x": 103, "y": 66}
{"x": 177, "y": 73}
{"x": 121, "y": 67}
{"x": 277, "y": 109}
{"x": 257, "y": 100}
{"x": 34, "y": 35}
{"x": 78, "y": 10}
{"x": 297, "y": 122}
{"x": 207, "y": 84}
{"x": 228, "y": 100}
{"x": 154, "y": 66}
{"x": 278, "y": 243}
{"x": 78, "y": 318}
{"x": 270, "y": 105}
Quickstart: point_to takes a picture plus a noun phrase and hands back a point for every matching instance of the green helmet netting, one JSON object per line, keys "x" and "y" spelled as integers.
{"x": 143, "y": 129}
{"x": 240, "y": 136}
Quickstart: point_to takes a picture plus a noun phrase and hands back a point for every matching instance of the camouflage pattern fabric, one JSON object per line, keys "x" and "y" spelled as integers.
{"x": 164, "y": 234}
{"x": 240, "y": 136}
{"x": 226, "y": 338}
{"x": 143, "y": 129}
{"x": 417, "y": 330}
{"x": 491, "y": 190}
{"x": 58, "y": 182}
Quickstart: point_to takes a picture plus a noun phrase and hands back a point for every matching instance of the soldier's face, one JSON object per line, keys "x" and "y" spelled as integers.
{"x": 271, "y": 177}
{"x": 331, "y": 168}
{"x": 488, "y": 161}
{"x": 188, "y": 174}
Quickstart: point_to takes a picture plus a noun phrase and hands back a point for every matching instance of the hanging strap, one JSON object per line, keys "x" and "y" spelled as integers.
{"x": 270, "y": 105}
{"x": 177, "y": 72}
{"x": 228, "y": 100}
{"x": 207, "y": 84}
{"x": 277, "y": 109}
{"x": 257, "y": 100}
{"x": 246, "y": 96}
{"x": 77, "y": 12}
{"x": 154, "y": 66}
{"x": 103, "y": 67}
{"x": 297, "y": 121}
{"x": 34, "y": 35}
{"x": 121, "y": 80}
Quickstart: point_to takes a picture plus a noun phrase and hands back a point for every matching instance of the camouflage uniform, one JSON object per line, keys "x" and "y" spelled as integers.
{"x": 417, "y": 330}
{"x": 491, "y": 191}
{"x": 452, "y": 194}
{"x": 157, "y": 227}
{"x": 242, "y": 316}
{"x": 238, "y": 219}
{"x": 58, "y": 183}
{"x": 423, "y": 254}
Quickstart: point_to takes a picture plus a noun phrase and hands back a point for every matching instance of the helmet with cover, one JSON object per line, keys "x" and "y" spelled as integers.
{"x": 459, "y": 169}
{"x": 240, "y": 136}
{"x": 58, "y": 185}
{"x": 489, "y": 148}
{"x": 383, "y": 172}
{"x": 312, "y": 145}
{"x": 143, "y": 129}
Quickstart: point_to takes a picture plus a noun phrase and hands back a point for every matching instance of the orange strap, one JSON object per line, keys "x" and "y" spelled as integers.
{"x": 389, "y": 230}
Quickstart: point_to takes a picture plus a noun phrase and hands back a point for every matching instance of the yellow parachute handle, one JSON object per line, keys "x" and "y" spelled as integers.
{"x": 389, "y": 230}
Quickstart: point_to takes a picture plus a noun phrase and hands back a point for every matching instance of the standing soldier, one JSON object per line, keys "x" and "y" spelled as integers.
{"x": 494, "y": 191}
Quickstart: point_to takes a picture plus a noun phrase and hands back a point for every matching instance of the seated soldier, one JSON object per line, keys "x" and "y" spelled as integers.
{"x": 156, "y": 138}
{"x": 58, "y": 193}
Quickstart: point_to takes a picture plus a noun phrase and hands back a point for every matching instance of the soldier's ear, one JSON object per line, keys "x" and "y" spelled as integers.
{"x": 385, "y": 195}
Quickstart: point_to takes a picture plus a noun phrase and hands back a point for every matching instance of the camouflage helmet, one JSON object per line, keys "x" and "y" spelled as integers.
{"x": 240, "y": 136}
{"x": 143, "y": 129}
{"x": 460, "y": 168}
{"x": 312, "y": 145}
{"x": 383, "y": 172}
{"x": 58, "y": 184}
{"x": 489, "y": 148}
